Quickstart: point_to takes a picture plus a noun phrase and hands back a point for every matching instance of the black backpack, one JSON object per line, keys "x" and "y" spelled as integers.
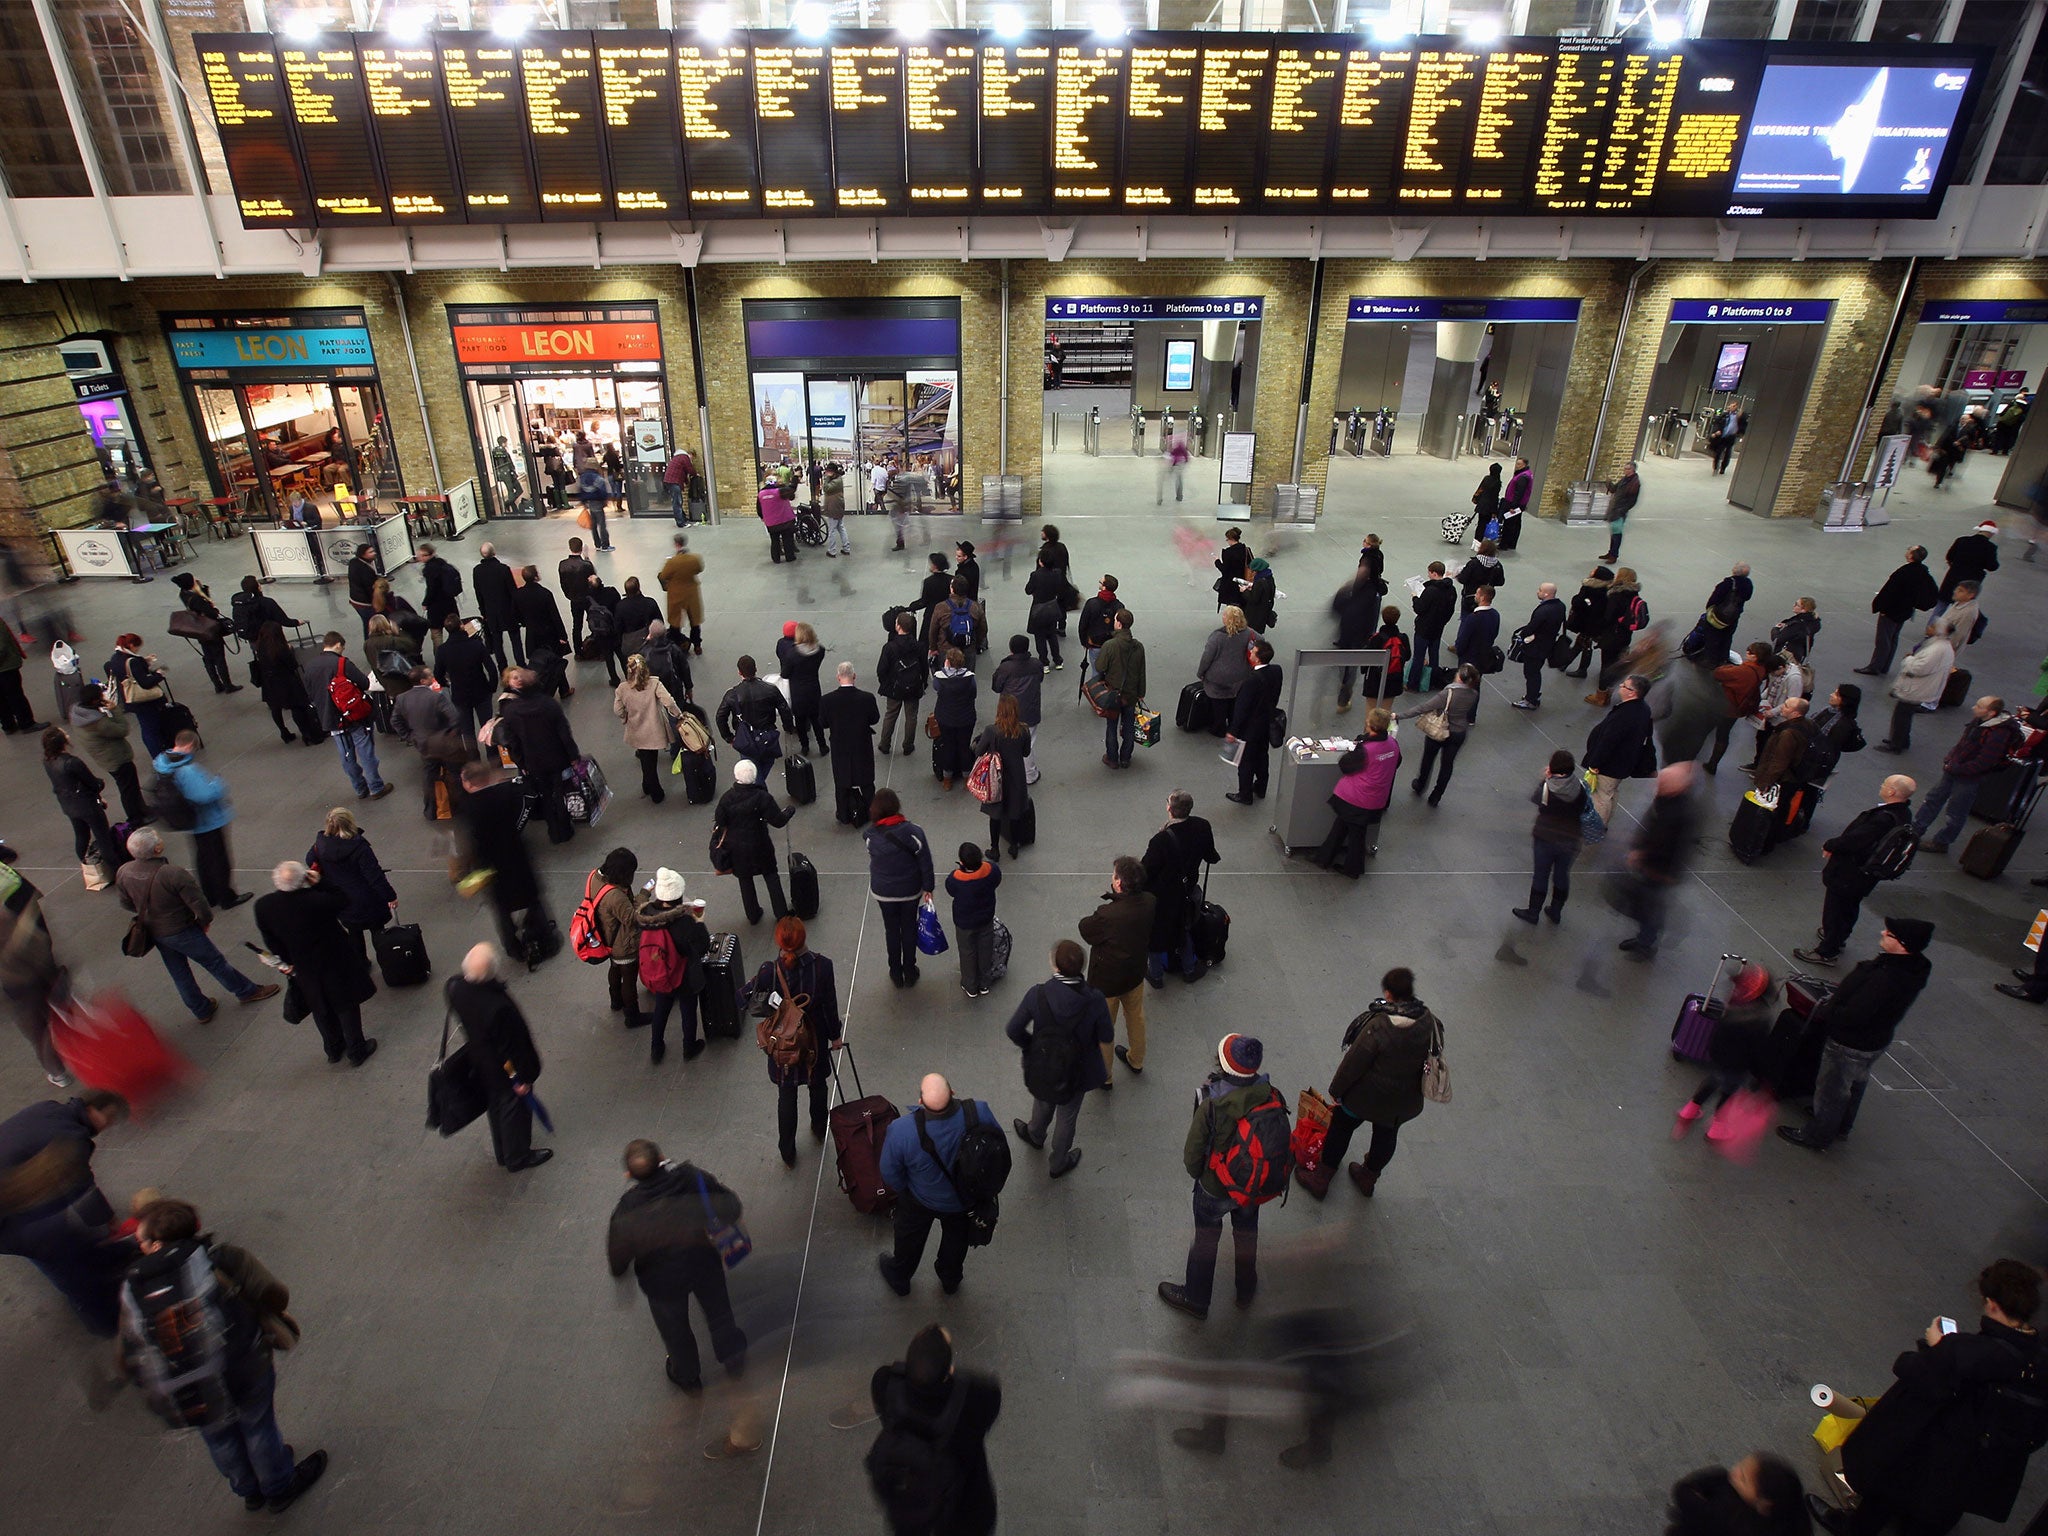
{"x": 1052, "y": 1062}
{"x": 1893, "y": 855}
{"x": 179, "y": 1327}
{"x": 2013, "y": 1415}
{"x": 167, "y": 803}
{"x": 1819, "y": 758}
{"x": 914, "y": 1472}
{"x": 981, "y": 1167}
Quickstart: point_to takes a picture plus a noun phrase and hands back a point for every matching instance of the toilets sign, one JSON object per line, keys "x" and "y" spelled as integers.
{"x": 1116, "y": 307}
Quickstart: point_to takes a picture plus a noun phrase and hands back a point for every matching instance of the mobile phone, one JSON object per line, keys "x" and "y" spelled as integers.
{"x": 1948, "y": 1324}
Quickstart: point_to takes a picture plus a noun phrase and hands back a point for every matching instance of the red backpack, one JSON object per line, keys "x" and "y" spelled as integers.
{"x": 584, "y": 937}
{"x": 1254, "y": 1164}
{"x": 662, "y": 965}
{"x": 351, "y": 704}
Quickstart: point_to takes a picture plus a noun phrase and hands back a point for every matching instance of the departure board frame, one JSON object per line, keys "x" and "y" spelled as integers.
{"x": 661, "y": 125}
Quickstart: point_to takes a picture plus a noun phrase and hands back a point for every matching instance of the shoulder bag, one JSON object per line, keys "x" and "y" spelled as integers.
{"x": 1436, "y": 1072}
{"x": 728, "y": 1237}
{"x": 133, "y": 692}
{"x": 455, "y": 1093}
{"x": 138, "y": 940}
{"x": 1437, "y": 726}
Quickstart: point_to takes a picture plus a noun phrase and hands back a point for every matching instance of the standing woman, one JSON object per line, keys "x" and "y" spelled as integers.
{"x": 1052, "y": 554}
{"x": 1226, "y": 665}
{"x": 1361, "y": 797}
{"x": 1007, "y": 738}
{"x": 899, "y": 878}
{"x": 139, "y": 683}
{"x": 77, "y": 789}
{"x": 673, "y": 944}
{"x": 1261, "y": 598}
{"x": 1047, "y": 616}
{"x": 1626, "y": 613}
{"x": 283, "y": 686}
{"x": 833, "y": 491}
{"x": 103, "y": 726}
{"x": 1837, "y": 721}
{"x": 1513, "y": 503}
{"x": 1560, "y": 800}
{"x": 649, "y": 713}
{"x": 1377, "y": 1083}
{"x": 348, "y": 864}
{"x": 799, "y": 972}
{"x": 801, "y": 656}
{"x": 953, "y": 707}
{"x": 1235, "y": 564}
{"x": 213, "y": 654}
{"x": 1587, "y": 618}
{"x": 1486, "y": 501}
{"x": 778, "y": 516}
{"x": 1456, "y": 703}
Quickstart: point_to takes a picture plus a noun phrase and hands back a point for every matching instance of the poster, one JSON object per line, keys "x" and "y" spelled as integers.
{"x": 1237, "y": 457}
{"x": 285, "y": 554}
{"x": 465, "y": 509}
{"x": 95, "y": 552}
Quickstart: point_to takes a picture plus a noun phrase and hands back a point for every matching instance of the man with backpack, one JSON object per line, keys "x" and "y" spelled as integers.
{"x": 661, "y": 1229}
{"x": 960, "y": 623}
{"x": 199, "y": 1320}
{"x": 1062, "y": 1027}
{"x": 1237, "y": 1154}
{"x": 1878, "y": 845}
{"x": 929, "y": 1464}
{"x": 947, "y": 1159}
{"x": 1952, "y": 1434}
{"x": 902, "y": 673}
{"x": 341, "y": 698}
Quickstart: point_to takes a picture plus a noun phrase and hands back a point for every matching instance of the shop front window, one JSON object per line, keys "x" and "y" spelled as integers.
{"x": 227, "y": 443}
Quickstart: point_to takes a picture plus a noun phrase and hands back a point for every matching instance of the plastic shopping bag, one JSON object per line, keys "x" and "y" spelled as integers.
{"x": 931, "y": 937}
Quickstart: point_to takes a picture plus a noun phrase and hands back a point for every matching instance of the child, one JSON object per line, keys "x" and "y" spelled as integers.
{"x": 1735, "y": 1052}
{"x": 973, "y": 889}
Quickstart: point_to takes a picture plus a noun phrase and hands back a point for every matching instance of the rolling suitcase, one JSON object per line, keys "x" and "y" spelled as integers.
{"x": 1956, "y": 689}
{"x": 700, "y": 778}
{"x": 1805, "y": 993}
{"x": 803, "y": 886}
{"x": 539, "y": 939}
{"x": 999, "y": 950}
{"x": 401, "y": 955}
{"x": 1754, "y": 830}
{"x": 1211, "y": 927}
{"x": 799, "y": 778}
{"x": 1027, "y": 824}
{"x": 858, "y": 1126}
{"x": 1192, "y": 713}
{"x": 1692, "y": 1037}
{"x": 719, "y": 1006}
{"x": 1987, "y": 853}
{"x": 1792, "y": 1054}
{"x": 584, "y": 793}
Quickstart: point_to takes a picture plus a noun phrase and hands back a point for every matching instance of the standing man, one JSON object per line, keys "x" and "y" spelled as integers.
{"x": 1621, "y": 501}
{"x": 340, "y": 694}
{"x": 1971, "y": 558}
{"x": 1097, "y": 621}
{"x": 492, "y": 582}
{"x": 1122, "y": 665}
{"x": 748, "y": 715}
{"x": 1987, "y": 741}
{"x": 918, "y": 1156}
{"x": 197, "y": 1318}
{"x": 660, "y": 1228}
{"x": 1921, "y": 678}
{"x": 1433, "y": 606}
{"x": 1119, "y": 935}
{"x": 675, "y": 475}
{"x": 533, "y": 728}
{"x": 1861, "y": 1017}
{"x": 573, "y": 574}
{"x": 1225, "y": 1098}
{"x": 678, "y": 578}
{"x": 52, "y": 1211}
{"x": 463, "y": 665}
{"x": 362, "y": 584}
{"x": 177, "y": 915}
{"x": 1063, "y": 1028}
{"x": 426, "y": 720}
{"x": 501, "y": 1048}
{"x": 1905, "y": 592}
{"x": 1848, "y": 875}
{"x": 1478, "y": 633}
{"x": 547, "y": 638}
{"x": 1173, "y": 864}
{"x": 211, "y": 813}
{"x": 1546, "y": 623}
{"x": 1251, "y": 722}
{"x": 901, "y": 675}
{"x": 1622, "y": 745}
{"x": 301, "y": 924}
{"x": 505, "y": 476}
{"x": 850, "y": 709}
{"x": 31, "y": 978}
{"x": 444, "y": 589}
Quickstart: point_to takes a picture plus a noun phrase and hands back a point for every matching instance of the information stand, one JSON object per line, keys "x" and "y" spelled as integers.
{"x": 1235, "y": 474}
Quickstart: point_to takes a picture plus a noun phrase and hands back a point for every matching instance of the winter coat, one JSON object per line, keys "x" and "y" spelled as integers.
{"x": 899, "y": 1403}
{"x": 617, "y": 913}
{"x": 1622, "y": 501}
{"x": 1959, "y": 622}
{"x": 690, "y": 937}
{"x": 1848, "y": 848}
{"x": 1119, "y": 933}
{"x": 1097, "y": 619}
{"x": 849, "y": 715}
{"x": 1983, "y": 748}
{"x": 464, "y": 666}
{"x": 1077, "y": 1008}
{"x": 899, "y": 860}
{"x": 1865, "y": 1011}
{"x": 1623, "y": 615}
{"x": 1023, "y": 679}
{"x": 252, "y": 610}
{"x": 1589, "y": 608}
{"x": 1356, "y": 608}
{"x": 1971, "y": 558}
{"x": 208, "y": 794}
{"x": 1742, "y": 685}
{"x": 1380, "y": 1077}
{"x": 1256, "y": 704}
{"x": 76, "y": 786}
{"x": 1546, "y": 623}
{"x": 1009, "y": 750}
{"x": 659, "y": 1227}
{"x": 103, "y": 735}
{"x": 1922, "y": 675}
{"x": 444, "y": 590}
{"x": 809, "y": 975}
{"x": 533, "y": 728}
{"x": 1122, "y": 665}
{"x": 647, "y": 713}
{"x": 1621, "y": 744}
{"x": 1478, "y": 632}
{"x": 974, "y": 894}
{"x": 940, "y": 637}
{"x": 1372, "y": 786}
{"x": 1226, "y": 664}
{"x": 745, "y": 813}
{"x": 1220, "y": 1103}
{"x": 900, "y": 673}
{"x": 1730, "y": 596}
{"x": 491, "y": 580}
{"x": 1044, "y": 586}
{"x": 246, "y": 1293}
{"x": 349, "y": 865}
{"x": 1558, "y": 803}
{"x": 164, "y": 894}
{"x": 1907, "y": 591}
{"x": 800, "y": 664}
{"x": 492, "y": 814}
{"x": 1434, "y": 605}
{"x": 1479, "y": 571}
{"x": 1777, "y": 762}
{"x": 634, "y": 612}
{"x": 540, "y": 616}
{"x": 497, "y": 1035}
{"x": 955, "y": 689}
{"x": 1794, "y": 634}
{"x": 421, "y": 713}
{"x": 1706, "y": 1504}
{"x": 304, "y": 929}
{"x": 1174, "y": 861}
{"x": 678, "y": 579}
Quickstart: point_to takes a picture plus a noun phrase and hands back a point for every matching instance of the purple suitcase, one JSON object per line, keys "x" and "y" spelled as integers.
{"x": 1692, "y": 1037}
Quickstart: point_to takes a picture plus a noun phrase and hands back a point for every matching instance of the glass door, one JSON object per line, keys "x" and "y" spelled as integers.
{"x": 832, "y": 437}
{"x": 508, "y": 469}
{"x": 882, "y": 415}
{"x": 227, "y": 436}
{"x": 366, "y": 435}
{"x": 640, "y": 401}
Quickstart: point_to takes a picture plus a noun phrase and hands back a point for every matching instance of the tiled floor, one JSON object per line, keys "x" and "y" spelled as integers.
{"x": 1568, "y": 1310}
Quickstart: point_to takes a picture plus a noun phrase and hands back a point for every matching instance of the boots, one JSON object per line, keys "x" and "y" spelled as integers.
{"x": 1556, "y": 911}
{"x": 1364, "y": 1178}
{"x": 1599, "y": 699}
{"x": 1316, "y": 1181}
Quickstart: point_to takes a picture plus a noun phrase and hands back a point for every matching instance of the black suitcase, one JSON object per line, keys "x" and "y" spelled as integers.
{"x": 1792, "y": 1056}
{"x": 719, "y": 1004}
{"x": 1956, "y": 690}
{"x": 1987, "y": 853}
{"x": 1798, "y": 806}
{"x": 1027, "y": 824}
{"x": 799, "y": 778}
{"x": 2003, "y": 794}
{"x": 700, "y": 779}
{"x": 1210, "y": 928}
{"x": 803, "y": 887}
{"x": 1754, "y": 830}
{"x": 1192, "y": 713}
{"x": 401, "y": 955}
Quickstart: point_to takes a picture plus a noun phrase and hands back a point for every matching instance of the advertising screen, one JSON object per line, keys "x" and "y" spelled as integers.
{"x": 1728, "y": 366}
{"x": 1840, "y": 129}
{"x": 1180, "y": 365}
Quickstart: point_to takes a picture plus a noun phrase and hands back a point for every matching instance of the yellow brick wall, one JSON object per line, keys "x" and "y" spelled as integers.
{"x": 50, "y": 471}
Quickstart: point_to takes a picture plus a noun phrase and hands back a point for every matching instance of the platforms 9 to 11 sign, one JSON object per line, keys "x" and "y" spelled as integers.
{"x": 609, "y": 126}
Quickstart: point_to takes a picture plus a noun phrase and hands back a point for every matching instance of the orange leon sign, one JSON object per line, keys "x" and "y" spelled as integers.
{"x": 597, "y": 341}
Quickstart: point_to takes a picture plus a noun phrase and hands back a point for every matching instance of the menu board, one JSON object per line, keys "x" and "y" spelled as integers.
{"x": 558, "y": 71}
{"x": 246, "y": 89}
{"x": 793, "y": 109}
{"x": 939, "y": 116}
{"x": 636, "y": 81}
{"x": 867, "y": 126}
{"x": 480, "y": 73}
{"x": 715, "y": 94}
{"x": 324, "y": 83}
{"x": 409, "y": 119}
{"x": 585, "y": 126}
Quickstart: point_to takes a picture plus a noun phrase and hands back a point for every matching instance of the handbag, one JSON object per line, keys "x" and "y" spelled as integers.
{"x": 455, "y": 1093}
{"x": 295, "y": 1008}
{"x": 188, "y": 625}
{"x": 133, "y": 693}
{"x": 728, "y": 1237}
{"x": 138, "y": 940}
{"x": 931, "y": 726}
{"x": 1311, "y": 1127}
{"x": 1436, "y": 1072}
{"x": 1437, "y": 727}
{"x": 931, "y": 936}
{"x": 721, "y": 855}
{"x": 1592, "y": 825}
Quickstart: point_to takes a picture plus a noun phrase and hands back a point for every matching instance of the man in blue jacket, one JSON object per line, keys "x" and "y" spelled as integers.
{"x": 1063, "y": 1028}
{"x": 1477, "y": 633}
{"x": 924, "y": 1186}
{"x": 211, "y": 813}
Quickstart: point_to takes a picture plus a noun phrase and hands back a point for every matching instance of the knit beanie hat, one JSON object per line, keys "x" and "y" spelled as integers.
{"x": 1915, "y": 933}
{"x": 1240, "y": 1055}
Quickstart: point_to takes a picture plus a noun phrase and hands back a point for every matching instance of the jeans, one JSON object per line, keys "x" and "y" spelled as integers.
{"x": 1428, "y": 653}
{"x": 1379, "y": 1151}
{"x": 248, "y": 1449}
{"x": 694, "y": 1271}
{"x": 1062, "y": 1119}
{"x": 1123, "y": 724}
{"x": 1449, "y": 747}
{"x": 1188, "y": 963}
{"x": 1553, "y": 874}
{"x": 977, "y": 948}
{"x": 676, "y": 505}
{"x": 913, "y": 1226}
{"x": 1131, "y": 1005}
{"x": 785, "y": 1109}
{"x": 63, "y": 1241}
{"x": 598, "y": 533}
{"x": 836, "y": 541}
{"x": 1244, "y": 1231}
{"x": 908, "y": 709}
{"x": 1887, "y": 643}
{"x": 1959, "y": 795}
{"x": 357, "y": 745}
{"x": 1838, "y": 1093}
{"x": 663, "y": 1002}
{"x": 188, "y": 944}
{"x": 899, "y": 933}
{"x": 1614, "y": 532}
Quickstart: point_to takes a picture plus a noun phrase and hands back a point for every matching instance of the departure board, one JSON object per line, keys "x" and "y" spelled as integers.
{"x": 1165, "y": 87}
{"x": 636, "y": 80}
{"x": 558, "y": 71}
{"x": 1236, "y": 89}
{"x": 584, "y": 126}
{"x": 1016, "y": 124}
{"x": 409, "y": 118}
{"x": 867, "y": 126}
{"x": 245, "y": 87}
{"x": 792, "y": 104}
{"x": 1087, "y": 116}
{"x": 480, "y": 73}
{"x": 324, "y": 83}
{"x": 939, "y": 117}
{"x": 715, "y": 95}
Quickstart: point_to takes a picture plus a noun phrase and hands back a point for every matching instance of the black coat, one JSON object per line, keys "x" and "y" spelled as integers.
{"x": 362, "y": 580}
{"x": 1622, "y": 744}
{"x": 444, "y": 590}
{"x": 1865, "y": 1011}
{"x": 1546, "y": 623}
{"x": 1097, "y": 619}
{"x": 898, "y": 1402}
{"x": 533, "y": 728}
{"x": 1706, "y": 1504}
{"x": 465, "y": 667}
{"x": 1357, "y": 609}
{"x": 1044, "y": 586}
{"x": 800, "y": 671}
{"x": 498, "y": 1036}
{"x": 1173, "y": 861}
{"x": 1251, "y": 714}
{"x": 250, "y": 611}
{"x": 753, "y": 703}
{"x": 1970, "y": 558}
{"x": 492, "y": 582}
{"x": 636, "y": 610}
{"x": 967, "y": 572}
{"x": 938, "y": 586}
{"x": 954, "y": 703}
{"x": 1848, "y": 848}
{"x": 349, "y": 865}
{"x": 1434, "y": 605}
{"x": 1023, "y": 678}
{"x": 77, "y": 786}
{"x": 1079, "y": 1009}
{"x": 746, "y": 812}
{"x": 535, "y": 608}
{"x": 900, "y": 673}
{"x": 1907, "y": 591}
{"x": 810, "y": 975}
{"x": 1009, "y": 751}
{"x": 304, "y": 929}
{"x": 1588, "y": 615}
{"x": 849, "y": 715}
{"x": 496, "y": 844}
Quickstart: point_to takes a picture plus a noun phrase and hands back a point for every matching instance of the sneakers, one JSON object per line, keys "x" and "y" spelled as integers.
{"x": 1925, "y": 846}
{"x": 1815, "y": 957}
{"x": 1687, "y": 1113}
{"x": 1525, "y": 704}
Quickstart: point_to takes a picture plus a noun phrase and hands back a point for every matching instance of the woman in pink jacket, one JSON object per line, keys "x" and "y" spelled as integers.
{"x": 1361, "y": 797}
{"x": 778, "y": 516}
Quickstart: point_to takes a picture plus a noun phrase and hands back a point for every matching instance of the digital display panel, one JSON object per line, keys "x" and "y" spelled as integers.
{"x": 1180, "y": 365}
{"x": 1728, "y": 366}
{"x": 583, "y": 125}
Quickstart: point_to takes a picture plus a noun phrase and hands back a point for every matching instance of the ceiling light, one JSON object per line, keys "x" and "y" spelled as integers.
{"x": 1667, "y": 30}
{"x": 1109, "y": 21}
{"x": 1008, "y": 21}
{"x": 1387, "y": 30}
{"x": 303, "y": 26}
{"x": 812, "y": 19}
{"x": 915, "y": 19}
{"x": 408, "y": 26}
{"x": 1482, "y": 31}
{"x": 714, "y": 21}
{"x": 511, "y": 23}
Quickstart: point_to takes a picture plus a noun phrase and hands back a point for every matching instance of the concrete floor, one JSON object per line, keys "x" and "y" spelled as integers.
{"x": 1572, "y": 1310}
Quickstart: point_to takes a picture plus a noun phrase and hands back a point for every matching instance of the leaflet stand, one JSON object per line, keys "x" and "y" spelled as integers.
{"x": 1301, "y": 793}
{"x": 1234, "y": 472}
